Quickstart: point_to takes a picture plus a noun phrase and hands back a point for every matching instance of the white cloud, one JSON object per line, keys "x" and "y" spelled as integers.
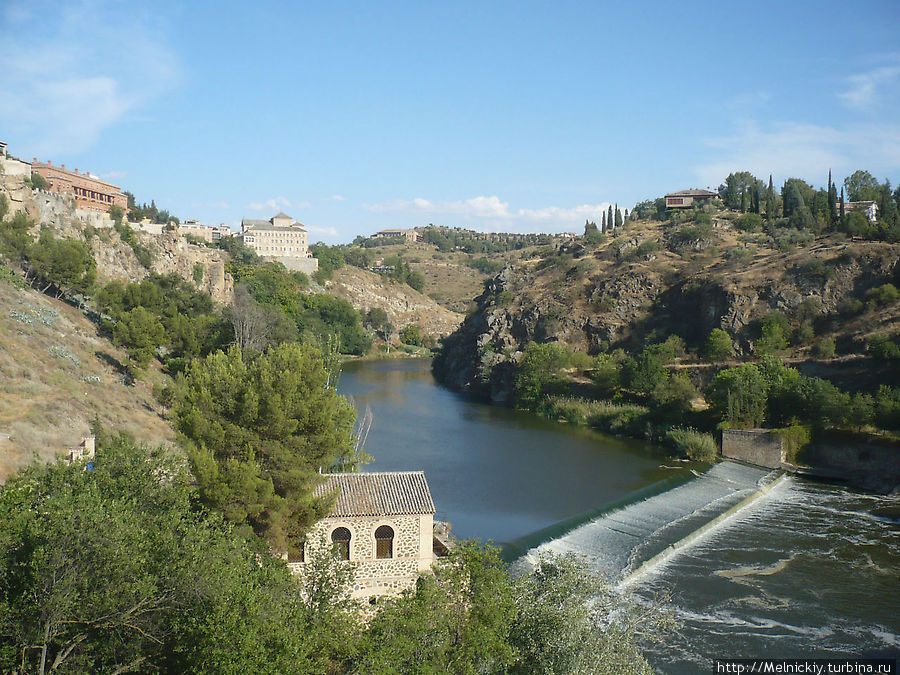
{"x": 67, "y": 76}
{"x": 803, "y": 150}
{"x": 330, "y": 231}
{"x": 493, "y": 211}
{"x": 864, "y": 88}
{"x": 114, "y": 175}
{"x": 274, "y": 204}
{"x": 338, "y": 198}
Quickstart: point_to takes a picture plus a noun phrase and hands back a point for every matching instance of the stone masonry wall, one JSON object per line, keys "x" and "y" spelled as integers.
{"x": 755, "y": 446}
{"x": 373, "y": 576}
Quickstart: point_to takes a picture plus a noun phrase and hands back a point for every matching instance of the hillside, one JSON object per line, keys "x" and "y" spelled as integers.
{"x": 403, "y": 305}
{"x": 653, "y": 279}
{"x": 57, "y": 375}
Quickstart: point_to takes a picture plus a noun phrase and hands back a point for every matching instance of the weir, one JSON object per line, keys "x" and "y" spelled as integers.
{"x": 625, "y": 542}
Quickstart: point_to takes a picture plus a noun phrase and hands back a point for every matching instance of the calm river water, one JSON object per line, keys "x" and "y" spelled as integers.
{"x": 806, "y": 571}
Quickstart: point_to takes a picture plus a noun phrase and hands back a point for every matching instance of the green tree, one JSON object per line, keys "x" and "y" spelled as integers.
{"x": 775, "y": 329}
{"x": 458, "y": 621}
{"x": 259, "y": 431}
{"x": 861, "y": 186}
{"x": 140, "y": 333}
{"x": 618, "y": 217}
{"x": 411, "y": 335}
{"x": 64, "y": 263}
{"x": 538, "y": 370}
{"x": 718, "y": 346}
{"x": 739, "y": 395}
{"x": 117, "y": 570}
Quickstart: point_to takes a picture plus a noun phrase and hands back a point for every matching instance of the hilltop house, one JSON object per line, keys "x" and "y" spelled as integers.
{"x": 685, "y": 199}
{"x": 383, "y": 522}
{"x": 869, "y": 208}
{"x": 280, "y": 238}
{"x": 411, "y": 235}
{"x": 89, "y": 192}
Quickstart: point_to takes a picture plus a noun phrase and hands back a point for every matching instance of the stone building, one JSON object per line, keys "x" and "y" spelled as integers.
{"x": 382, "y": 522}
{"x": 280, "y": 238}
{"x": 208, "y": 233}
{"x": 685, "y": 199}
{"x": 89, "y": 192}
{"x": 411, "y": 235}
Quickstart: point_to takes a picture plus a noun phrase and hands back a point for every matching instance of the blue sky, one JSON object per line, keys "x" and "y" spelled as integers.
{"x": 515, "y": 116}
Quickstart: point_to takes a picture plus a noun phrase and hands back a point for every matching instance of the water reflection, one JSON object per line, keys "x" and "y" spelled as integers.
{"x": 495, "y": 473}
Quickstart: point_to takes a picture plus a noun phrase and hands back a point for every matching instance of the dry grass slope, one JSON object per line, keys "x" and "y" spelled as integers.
{"x": 56, "y": 375}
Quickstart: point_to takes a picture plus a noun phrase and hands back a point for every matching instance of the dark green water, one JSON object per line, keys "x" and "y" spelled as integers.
{"x": 494, "y": 473}
{"x": 809, "y": 570}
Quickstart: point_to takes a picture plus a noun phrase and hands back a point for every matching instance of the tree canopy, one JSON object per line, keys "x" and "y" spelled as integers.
{"x": 258, "y": 430}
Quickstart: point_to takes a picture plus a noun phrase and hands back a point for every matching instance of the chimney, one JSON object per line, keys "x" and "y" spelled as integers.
{"x": 63, "y": 167}
{"x": 76, "y": 170}
{"x": 34, "y": 160}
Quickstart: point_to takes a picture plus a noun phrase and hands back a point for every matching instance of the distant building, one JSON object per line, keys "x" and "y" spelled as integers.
{"x": 687, "y": 198}
{"x": 280, "y": 238}
{"x": 207, "y": 233}
{"x": 89, "y": 191}
{"x": 12, "y": 166}
{"x": 411, "y": 235}
{"x": 869, "y": 208}
{"x": 382, "y": 522}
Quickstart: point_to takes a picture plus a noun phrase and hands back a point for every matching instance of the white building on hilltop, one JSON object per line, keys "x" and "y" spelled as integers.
{"x": 280, "y": 238}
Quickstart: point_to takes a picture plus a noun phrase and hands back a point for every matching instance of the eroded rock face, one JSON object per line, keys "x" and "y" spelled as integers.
{"x": 115, "y": 259}
{"x": 623, "y": 304}
{"x": 403, "y": 305}
{"x": 174, "y": 255}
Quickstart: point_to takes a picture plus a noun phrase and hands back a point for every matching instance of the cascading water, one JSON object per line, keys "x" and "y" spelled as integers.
{"x": 620, "y": 542}
{"x": 809, "y": 571}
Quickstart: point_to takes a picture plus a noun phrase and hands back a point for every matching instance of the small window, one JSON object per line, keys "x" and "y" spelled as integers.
{"x": 340, "y": 539}
{"x": 384, "y": 542}
{"x": 298, "y": 554}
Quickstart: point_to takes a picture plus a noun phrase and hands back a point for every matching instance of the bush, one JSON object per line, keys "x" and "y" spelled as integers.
{"x": 718, "y": 346}
{"x": 794, "y": 440}
{"x": 749, "y": 222}
{"x": 411, "y": 335}
{"x": 740, "y": 253}
{"x": 699, "y": 446}
{"x": 825, "y": 348}
{"x": 882, "y": 296}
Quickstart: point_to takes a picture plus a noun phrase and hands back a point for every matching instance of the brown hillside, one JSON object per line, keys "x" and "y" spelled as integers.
{"x": 56, "y": 375}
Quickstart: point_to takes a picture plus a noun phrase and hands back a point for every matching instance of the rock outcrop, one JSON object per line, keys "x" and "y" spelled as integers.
{"x": 592, "y": 301}
{"x": 403, "y": 305}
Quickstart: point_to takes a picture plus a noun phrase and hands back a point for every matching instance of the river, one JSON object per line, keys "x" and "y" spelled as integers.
{"x": 805, "y": 571}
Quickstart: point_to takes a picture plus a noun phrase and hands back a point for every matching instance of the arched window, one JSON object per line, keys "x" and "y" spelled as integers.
{"x": 340, "y": 538}
{"x": 384, "y": 542}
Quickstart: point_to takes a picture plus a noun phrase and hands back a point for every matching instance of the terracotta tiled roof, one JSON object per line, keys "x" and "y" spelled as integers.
{"x": 374, "y": 494}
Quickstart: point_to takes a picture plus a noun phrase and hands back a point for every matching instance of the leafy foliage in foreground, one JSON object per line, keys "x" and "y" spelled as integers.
{"x": 118, "y": 570}
{"x": 122, "y": 569}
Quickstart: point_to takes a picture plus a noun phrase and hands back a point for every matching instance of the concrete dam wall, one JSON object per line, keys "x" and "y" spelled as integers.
{"x": 630, "y": 540}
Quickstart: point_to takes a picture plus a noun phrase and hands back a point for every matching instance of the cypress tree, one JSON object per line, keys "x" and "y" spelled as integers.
{"x": 618, "y": 217}
{"x": 609, "y": 218}
{"x": 887, "y": 207}
{"x": 843, "y": 219}
{"x": 744, "y": 201}
{"x": 832, "y": 200}
{"x": 603, "y": 223}
{"x": 770, "y": 200}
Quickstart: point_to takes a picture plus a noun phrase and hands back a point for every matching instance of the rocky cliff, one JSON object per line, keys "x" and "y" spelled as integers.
{"x": 403, "y": 305}
{"x": 644, "y": 285}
